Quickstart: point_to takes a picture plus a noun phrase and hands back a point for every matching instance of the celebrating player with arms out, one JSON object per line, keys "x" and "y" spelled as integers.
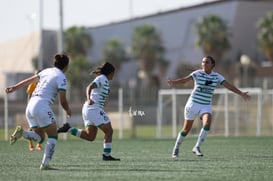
{"x": 199, "y": 102}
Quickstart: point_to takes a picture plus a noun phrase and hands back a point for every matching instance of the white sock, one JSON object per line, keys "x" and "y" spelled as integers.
{"x": 107, "y": 147}
{"x": 201, "y": 138}
{"x": 49, "y": 150}
{"x": 31, "y": 135}
{"x": 179, "y": 140}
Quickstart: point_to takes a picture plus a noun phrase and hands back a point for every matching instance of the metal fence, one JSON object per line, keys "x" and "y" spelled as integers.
{"x": 232, "y": 116}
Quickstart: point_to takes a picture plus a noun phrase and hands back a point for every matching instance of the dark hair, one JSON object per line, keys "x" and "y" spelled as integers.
{"x": 61, "y": 61}
{"x": 211, "y": 59}
{"x": 105, "y": 69}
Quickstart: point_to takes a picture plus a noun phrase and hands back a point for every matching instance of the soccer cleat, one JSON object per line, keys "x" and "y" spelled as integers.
{"x": 109, "y": 158}
{"x": 175, "y": 153}
{"x": 46, "y": 167}
{"x": 39, "y": 147}
{"x": 16, "y": 135}
{"x": 197, "y": 151}
{"x": 64, "y": 128}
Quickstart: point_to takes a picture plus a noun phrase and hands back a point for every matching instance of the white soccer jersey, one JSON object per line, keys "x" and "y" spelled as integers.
{"x": 100, "y": 94}
{"x": 204, "y": 86}
{"x": 51, "y": 80}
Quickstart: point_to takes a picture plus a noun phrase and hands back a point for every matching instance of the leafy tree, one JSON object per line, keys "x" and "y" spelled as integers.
{"x": 114, "y": 52}
{"x": 265, "y": 35}
{"x": 213, "y": 36}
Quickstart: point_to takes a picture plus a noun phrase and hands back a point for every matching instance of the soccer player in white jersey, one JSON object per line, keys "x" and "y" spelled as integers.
{"x": 51, "y": 83}
{"x": 199, "y": 102}
{"x": 93, "y": 114}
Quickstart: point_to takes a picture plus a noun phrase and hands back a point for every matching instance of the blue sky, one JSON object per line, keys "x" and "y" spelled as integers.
{"x": 21, "y": 17}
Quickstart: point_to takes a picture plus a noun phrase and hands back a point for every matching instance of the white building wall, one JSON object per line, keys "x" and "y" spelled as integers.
{"x": 178, "y": 30}
{"x": 16, "y": 56}
{"x": 176, "y": 27}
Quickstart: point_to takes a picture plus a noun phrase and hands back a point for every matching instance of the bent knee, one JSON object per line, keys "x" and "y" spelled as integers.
{"x": 87, "y": 136}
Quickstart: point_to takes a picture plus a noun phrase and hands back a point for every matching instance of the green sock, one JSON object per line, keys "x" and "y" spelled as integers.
{"x": 75, "y": 132}
{"x": 107, "y": 147}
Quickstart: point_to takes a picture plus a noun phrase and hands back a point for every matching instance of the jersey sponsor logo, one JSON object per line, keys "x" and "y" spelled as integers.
{"x": 205, "y": 90}
{"x": 208, "y": 82}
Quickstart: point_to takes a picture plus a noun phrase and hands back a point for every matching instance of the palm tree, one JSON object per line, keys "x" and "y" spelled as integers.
{"x": 265, "y": 35}
{"x": 213, "y": 35}
{"x": 148, "y": 50}
{"x": 147, "y": 47}
{"x": 78, "y": 76}
{"x": 77, "y": 41}
{"x": 114, "y": 52}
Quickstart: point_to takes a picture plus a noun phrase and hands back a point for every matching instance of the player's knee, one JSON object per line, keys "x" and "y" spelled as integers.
{"x": 88, "y": 136}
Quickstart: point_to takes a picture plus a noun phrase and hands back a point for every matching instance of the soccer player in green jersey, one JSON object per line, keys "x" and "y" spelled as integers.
{"x": 93, "y": 113}
{"x": 51, "y": 83}
{"x": 199, "y": 102}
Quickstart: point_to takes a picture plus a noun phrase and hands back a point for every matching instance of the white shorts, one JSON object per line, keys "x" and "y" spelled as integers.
{"x": 193, "y": 109}
{"x": 39, "y": 113}
{"x": 94, "y": 116}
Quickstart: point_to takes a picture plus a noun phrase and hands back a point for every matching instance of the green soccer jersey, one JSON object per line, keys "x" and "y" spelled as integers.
{"x": 204, "y": 86}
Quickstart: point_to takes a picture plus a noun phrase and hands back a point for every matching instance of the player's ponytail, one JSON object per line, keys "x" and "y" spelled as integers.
{"x": 105, "y": 69}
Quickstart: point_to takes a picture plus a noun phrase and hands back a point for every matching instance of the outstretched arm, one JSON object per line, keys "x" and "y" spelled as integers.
{"x": 179, "y": 81}
{"x": 21, "y": 84}
{"x": 231, "y": 87}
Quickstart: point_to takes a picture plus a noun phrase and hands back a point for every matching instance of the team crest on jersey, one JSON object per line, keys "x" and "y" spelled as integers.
{"x": 64, "y": 82}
